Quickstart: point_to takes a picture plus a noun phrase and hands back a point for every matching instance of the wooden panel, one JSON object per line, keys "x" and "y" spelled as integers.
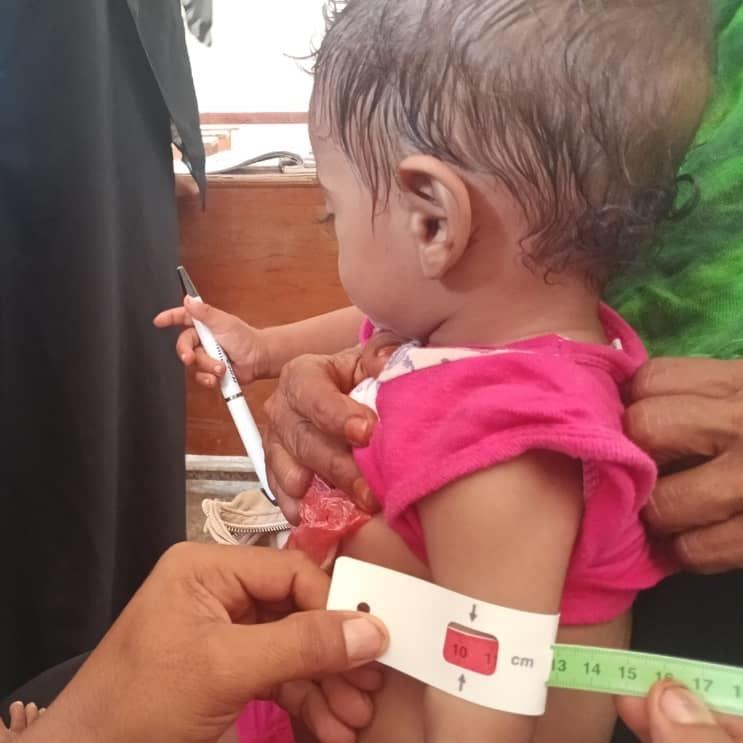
{"x": 259, "y": 252}
{"x": 294, "y": 117}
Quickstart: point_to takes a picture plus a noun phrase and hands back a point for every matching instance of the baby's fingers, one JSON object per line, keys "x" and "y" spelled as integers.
{"x": 349, "y": 705}
{"x": 190, "y": 352}
{"x": 32, "y": 713}
{"x": 205, "y": 364}
{"x": 206, "y": 380}
{"x": 173, "y": 316}
{"x": 17, "y": 717}
{"x": 306, "y": 701}
{"x": 187, "y": 345}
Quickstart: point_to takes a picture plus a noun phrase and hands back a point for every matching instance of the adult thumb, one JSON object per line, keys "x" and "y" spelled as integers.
{"x": 301, "y": 646}
{"x": 676, "y": 715}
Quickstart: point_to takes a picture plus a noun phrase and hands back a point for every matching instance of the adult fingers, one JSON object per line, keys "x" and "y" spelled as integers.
{"x": 684, "y": 376}
{"x": 239, "y": 577}
{"x": 367, "y": 678}
{"x": 171, "y": 317}
{"x": 301, "y": 646}
{"x": 634, "y": 714}
{"x": 667, "y": 715}
{"x": 706, "y": 494}
{"x": 377, "y": 351}
{"x": 712, "y": 549}
{"x": 678, "y": 427}
{"x": 305, "y": 700}
{"x": 295, "y": 446}
{"x": 316, "y": 388}
{"x": 675, "y": 715}
{"x": 288, "y": 479}
{"x": 348, "y": 704}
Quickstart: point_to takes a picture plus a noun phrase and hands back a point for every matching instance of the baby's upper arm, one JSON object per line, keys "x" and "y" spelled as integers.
{"x": 504, "y": 536}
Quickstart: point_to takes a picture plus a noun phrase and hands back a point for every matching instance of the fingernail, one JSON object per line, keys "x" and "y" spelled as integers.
{"x": 385, "y": 351}
{"x": 217, "y": 369}
{"x": 357, "y": 429}
{"x": 362, "y": 493}
{"x": 184, "y": 357}
{"x": 364, "y": 641}
{"x": 679, "y": 705}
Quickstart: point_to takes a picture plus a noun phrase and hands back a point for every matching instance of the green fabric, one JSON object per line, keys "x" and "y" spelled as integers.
{"x": 688, "y": 299}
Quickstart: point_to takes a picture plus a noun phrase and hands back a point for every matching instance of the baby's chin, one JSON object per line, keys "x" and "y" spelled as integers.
{"x": 392, "y": 319}
{"x": 389, "y": 330}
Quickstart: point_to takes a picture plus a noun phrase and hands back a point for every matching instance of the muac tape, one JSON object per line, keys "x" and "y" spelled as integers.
{"x": 505, "y": 659}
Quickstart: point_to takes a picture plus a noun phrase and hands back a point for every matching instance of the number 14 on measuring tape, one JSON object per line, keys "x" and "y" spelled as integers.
{"x": 626, "y": 672}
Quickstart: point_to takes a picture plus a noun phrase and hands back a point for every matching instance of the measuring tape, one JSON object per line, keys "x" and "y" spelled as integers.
{"x": 505, "y": 659}
{"x": 630, "y": 673}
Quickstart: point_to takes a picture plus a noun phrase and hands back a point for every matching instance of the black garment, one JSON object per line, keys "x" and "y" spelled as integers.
{"x": 91, "y": 394}
{"x": 690, "y": 616}
{"x": 45, "y": 688}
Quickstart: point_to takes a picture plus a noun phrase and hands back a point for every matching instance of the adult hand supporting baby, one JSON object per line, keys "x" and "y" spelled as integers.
{"x": 688, "y": 413}
{"x": 313, "y": 423}
{"x": 189, "y": 651}
{"x": 672, "y": 714}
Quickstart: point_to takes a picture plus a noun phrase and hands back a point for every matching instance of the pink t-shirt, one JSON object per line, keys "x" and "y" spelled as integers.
{"x": 446, "y": 413}
{"x": 264, "y": 722}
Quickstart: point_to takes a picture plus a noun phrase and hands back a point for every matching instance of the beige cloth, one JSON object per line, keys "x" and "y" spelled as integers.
{"x": 247, "y": 519}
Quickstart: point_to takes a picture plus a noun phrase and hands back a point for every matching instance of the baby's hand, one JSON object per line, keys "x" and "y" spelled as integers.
{"x": 335, "y": 708}
{"x": 246, "y": 346}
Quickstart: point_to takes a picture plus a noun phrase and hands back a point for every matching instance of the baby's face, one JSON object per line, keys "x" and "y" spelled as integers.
{"x": 377, "y": 259}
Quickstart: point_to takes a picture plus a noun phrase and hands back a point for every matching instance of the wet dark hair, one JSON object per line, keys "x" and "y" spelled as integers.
{"x": 583, "y": 109}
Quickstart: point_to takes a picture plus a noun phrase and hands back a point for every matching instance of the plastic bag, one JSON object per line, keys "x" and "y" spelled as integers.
{"x": 327, "y": 516}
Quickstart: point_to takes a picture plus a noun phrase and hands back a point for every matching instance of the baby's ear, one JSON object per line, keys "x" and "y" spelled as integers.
{"x": 439, "y": 210}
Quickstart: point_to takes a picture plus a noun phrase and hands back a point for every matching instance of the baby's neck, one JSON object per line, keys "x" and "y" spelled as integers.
{"x": 494, "y": 317}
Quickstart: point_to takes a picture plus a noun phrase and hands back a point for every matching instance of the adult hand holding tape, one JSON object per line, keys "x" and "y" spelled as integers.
{"x": 504, "y": 659}
{"x": 672, "y": 714}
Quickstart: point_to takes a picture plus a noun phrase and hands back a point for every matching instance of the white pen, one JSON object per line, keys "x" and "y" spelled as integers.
{"x": 232, "y": 393}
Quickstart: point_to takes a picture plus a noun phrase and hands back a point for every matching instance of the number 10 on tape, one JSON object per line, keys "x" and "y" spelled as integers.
{"x": 626, "y": 672}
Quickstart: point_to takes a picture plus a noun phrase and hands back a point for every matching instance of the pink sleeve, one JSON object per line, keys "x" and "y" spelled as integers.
{"x": 441, "y": 424}
{"x": 264, "y": 722}
{"x": 366, "y": 331}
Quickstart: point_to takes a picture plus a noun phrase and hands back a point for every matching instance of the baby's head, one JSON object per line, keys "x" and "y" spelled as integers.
{"x": 454, "y": 135}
